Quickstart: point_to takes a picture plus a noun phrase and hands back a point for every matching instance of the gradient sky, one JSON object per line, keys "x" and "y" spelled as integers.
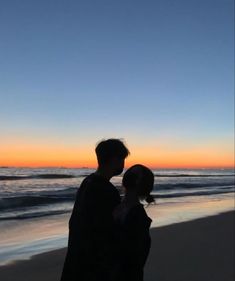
{"x": 159, "y": 74}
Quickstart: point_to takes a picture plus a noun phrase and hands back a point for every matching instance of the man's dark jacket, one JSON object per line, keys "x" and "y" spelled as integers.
{"x": 91, "y": 245}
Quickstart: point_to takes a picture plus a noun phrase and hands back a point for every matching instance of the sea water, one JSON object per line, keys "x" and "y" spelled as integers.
{"x": 35, "y": 204}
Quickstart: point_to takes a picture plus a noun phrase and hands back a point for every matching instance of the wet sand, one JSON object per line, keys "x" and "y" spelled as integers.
{"x": 198, "y": 250}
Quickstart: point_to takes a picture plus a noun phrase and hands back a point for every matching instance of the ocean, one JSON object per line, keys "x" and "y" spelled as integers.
{"x": 35, "y": 204}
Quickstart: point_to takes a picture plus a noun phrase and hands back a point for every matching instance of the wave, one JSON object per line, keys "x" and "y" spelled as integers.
{"x": 172, "y": 186}
{"x": 34, "y": 215}
{"x": 8, "y": 203}
{"x": 3, "y": 178}
{"x": 42, "y": 176}
{"x": 68, "y": 195}
{"x": 196, "y": 193}
{"x": 30, "y": 213}
{"x": 69, "y": 176}
{"x": 192, "y": 175}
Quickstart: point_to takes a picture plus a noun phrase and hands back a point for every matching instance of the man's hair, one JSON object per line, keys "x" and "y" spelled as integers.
{"x": 110, "y": 148}
{"x": 139, "y": 178}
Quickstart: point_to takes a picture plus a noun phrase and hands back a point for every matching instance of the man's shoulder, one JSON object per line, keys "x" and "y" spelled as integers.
{"x": 94, "y": 182}
{"x": 93, "y": 179}
{"x": 97, "y": 188}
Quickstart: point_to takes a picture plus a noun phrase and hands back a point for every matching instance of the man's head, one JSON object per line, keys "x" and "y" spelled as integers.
{"x": 111, "y": 153}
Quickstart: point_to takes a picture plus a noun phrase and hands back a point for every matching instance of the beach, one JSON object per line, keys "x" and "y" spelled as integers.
{"x": 197, "y": 250}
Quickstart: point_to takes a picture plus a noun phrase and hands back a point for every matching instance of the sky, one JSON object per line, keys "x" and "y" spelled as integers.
{"x": 158, "y": 74}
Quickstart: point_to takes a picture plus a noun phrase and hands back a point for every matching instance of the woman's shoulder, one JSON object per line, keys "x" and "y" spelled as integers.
{"x": 138, "y": 215}
{"x": 138, "y": 210}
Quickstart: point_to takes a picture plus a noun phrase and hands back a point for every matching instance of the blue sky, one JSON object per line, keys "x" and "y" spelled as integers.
{"x": 141, "y": 70}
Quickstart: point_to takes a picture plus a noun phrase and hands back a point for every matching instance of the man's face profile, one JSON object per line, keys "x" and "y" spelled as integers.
{"x": 118, "y": 165}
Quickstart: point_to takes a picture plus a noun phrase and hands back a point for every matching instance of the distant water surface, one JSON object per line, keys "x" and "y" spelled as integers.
{"x": 29, "y": 193}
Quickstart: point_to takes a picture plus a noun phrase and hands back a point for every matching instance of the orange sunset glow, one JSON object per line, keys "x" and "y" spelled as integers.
{"x": 43, "y": 155}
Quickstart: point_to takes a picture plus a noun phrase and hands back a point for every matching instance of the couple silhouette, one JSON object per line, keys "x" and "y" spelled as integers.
{"x": 108, "y": 238}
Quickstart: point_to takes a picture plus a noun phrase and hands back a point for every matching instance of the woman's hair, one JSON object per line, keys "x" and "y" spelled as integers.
{"x": 110, "y": 148}
{"x": 139, "y": 178}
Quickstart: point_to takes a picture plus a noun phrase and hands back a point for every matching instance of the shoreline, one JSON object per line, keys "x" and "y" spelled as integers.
{"x": 197, "y": 250}
{"x": 50, "y": 233}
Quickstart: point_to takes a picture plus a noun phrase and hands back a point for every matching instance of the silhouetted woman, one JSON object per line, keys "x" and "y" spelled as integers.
{"x": 133, "y": 224}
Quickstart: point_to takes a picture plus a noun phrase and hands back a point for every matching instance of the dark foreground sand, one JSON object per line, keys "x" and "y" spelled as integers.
{"x": 199, "y": 250}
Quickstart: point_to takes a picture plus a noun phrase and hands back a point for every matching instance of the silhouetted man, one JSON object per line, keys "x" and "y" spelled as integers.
{"x": 91, "y": 245}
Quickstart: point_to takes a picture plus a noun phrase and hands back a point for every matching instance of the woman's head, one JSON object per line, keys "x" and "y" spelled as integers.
{"x": 140, "y": 179}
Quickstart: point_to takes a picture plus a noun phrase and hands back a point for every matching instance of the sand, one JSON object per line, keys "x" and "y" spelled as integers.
{"x": 199, "y": 250}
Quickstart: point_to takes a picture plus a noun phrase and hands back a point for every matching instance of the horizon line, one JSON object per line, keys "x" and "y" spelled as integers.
{"x": 92, "y": 167}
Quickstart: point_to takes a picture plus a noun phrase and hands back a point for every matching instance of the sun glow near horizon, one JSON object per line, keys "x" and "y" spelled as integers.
{"x": 26, "y": 154}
